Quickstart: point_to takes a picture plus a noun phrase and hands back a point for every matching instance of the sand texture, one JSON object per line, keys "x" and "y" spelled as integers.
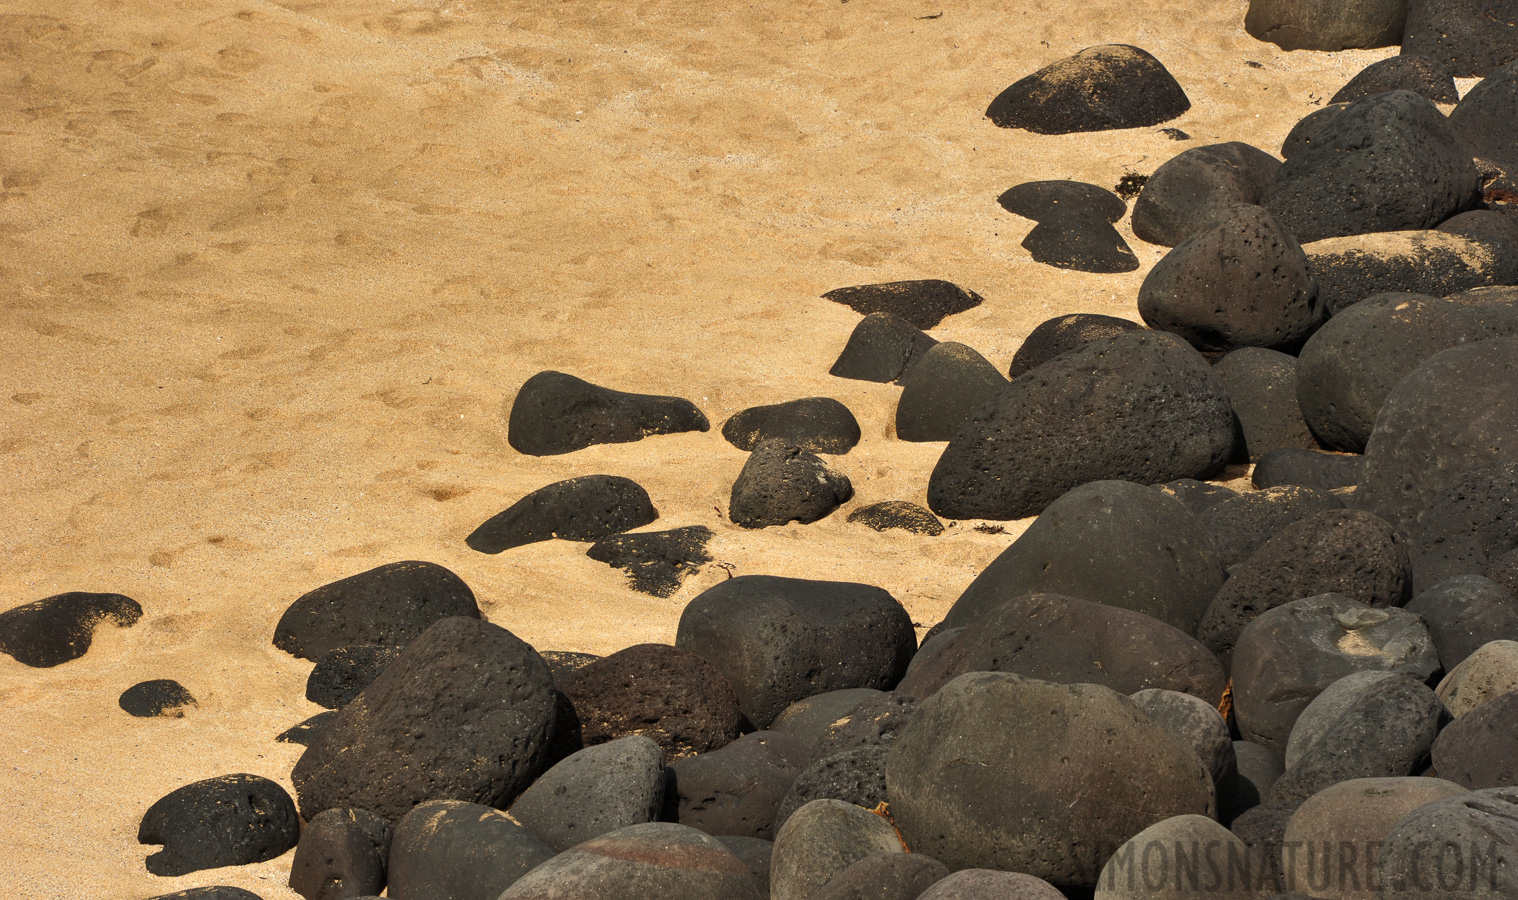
{"x": 273, "y": 273}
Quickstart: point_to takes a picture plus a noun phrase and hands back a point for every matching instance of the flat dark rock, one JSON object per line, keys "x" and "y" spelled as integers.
{"x": 1391, "y": 162}
{"x": 1062, "y": 334}
{"x": 1192, "y": 187}
{"x": 818, "y": 424}
{"x": 922, "y": 304}
{"x": 1040, "y": 200}
{"x": 1142, "y": 406}
{"x": 1098, "y": 89}
{"x": 1080, "y": 239}
{"x": 656, "y": 561}
{"x": 943, "y": 390}
{"x": 302, "y": 732}
{"x": 1472, "y": 38}
{"x": 1433, "y": 263}
{"x": 388, "y": 605}
{"x": 53, "y": 631}
{"x": 556, "y": 413}
{"x": 1407, "y": 72}
{"x": 160, "y": 697}
{"x": 782, "y": 483}
{"x": 1326, "y": 24}
{"x": 587, "y": 508}
{"x": 889, "y": 514}
{"x": 1487, "y": 118}
{"x": 232, "y": 820}
{"x": 343, "y": 672}
{"x": 881, "y": 348}
{"x": 1307, "y": 468}
{"x": 1262, "y": 386}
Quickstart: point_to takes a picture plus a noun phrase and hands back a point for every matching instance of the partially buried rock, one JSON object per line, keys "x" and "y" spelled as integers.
{"x": 1239, "y": 281}
{"x": 1307, "y": 468}
{"x": 779, "y": 640}
{"x": 1184, "y": 193}
{"x": 1408, "y": 72}
{"x": 782, "y": 483}
{"x": 1082, "y": 240}
{"x": 1470, "y": 37}
{"x": 1480, "y": 749}
{"x": 342, "y": 673}
{"x": 1098, "y": 89}
{"x": 556, "y": 413}
{"x": 460, "y": 851}
{"x": 969, "y": 781}
{"x": 818, "y": 424}
{"x": 1465, "y": 612}
{"x": 656, "y": 561}
{"x": 1141, "y": 406}
{"x": 1197, "y": 496}
{"x": 581, "y": 509}
{"x": 672, "y": 696}
{"x": 487, "y": 700}
{"x": 1040, "y": 200}
{"x": 737, "y": 789}
{"x": 233, "y": 820}
{"x": 160, "y": 697}
{"x": 1326, "y": 24}
{"x": 388, "y": 605}
{"x": 218, "y": 892}
{"x": 342, "y": 853}
{"x": 854, "y": 776}
{"x": 1386, "y": 163}
{"x": 922, "y": 304}
{"x": 53, "y": 631}
{"x": 595, "y": 791}
{"x": 1435, "y": 263}
{"x": 1241, "y": 524}
{"x": 940, "y": 394}
{"x": 1062, "y": 334}
{"x": 1487, "y": 117}
{"x": 563, "y": 662}
{"x": 659, "y": 859}
{"x": 900, "y": 514}
{"x": 822, "y": 839}
{"x": 1262, "y": 385}
{"x": 881, "y": 348}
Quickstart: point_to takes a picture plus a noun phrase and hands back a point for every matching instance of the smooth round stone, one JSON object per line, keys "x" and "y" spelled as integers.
{"x": 1465, "y": 612}
{"x": 1193, "y": 186}
{"x": 991, "y": 884}
{"x": 1194, "y": 721}
{"x": 884, "y": 876}
{"x": 1098, "y": 89}
{"x": 1463, "y": 847}
{"x": 881, "y": 348}
{"x": 659, "y": 859}
{"x": 233, "y": 820}
{"x": 161, "y": 697}
{"x": 1480, "y": 749}
{"x": 1487, "y": 674}
{"x": 1262, "y": 384}
{"x": 942, "y": 392}
{"x": 593, "y": 792}
{"x": 782, "y": 483}
{"x": 60, "y": 628}
{"x": 818, "y": 424}
{"x": 1162, "y": 862}
{"x": 556, "y": 413}
{"x": 1407, "y": 72}
{"x": 822, "y": 839}
{"x": 388, "y": 605}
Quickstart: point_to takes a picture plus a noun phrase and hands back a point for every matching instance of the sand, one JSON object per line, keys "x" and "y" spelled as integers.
{"x": 274, "y": 272}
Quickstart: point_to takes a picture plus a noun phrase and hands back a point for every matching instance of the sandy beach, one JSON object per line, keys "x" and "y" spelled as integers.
{"x": 273, "y": 274}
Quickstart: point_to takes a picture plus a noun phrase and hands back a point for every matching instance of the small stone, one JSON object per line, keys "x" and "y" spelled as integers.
{"x": 60, "y": 628}
{"x": 161, "y": 697}
{"x": 818, "y": 424}
{"x": 782, "y": 483}
{"x": 581, "y": 509}
{"x": 898, "y": 514}
{"x": 1326, "y": 24}
{"x": 922, "y": 304}
{"x": 881, "y": 348}
{"x": 555, "y": 413}
{"x": 1098, "y": 89}
{"x": 656, "y": 561}
{"x": 232, "y": 820}
{"x": 1062, "y": 334}
{"x": 943, "y": 391}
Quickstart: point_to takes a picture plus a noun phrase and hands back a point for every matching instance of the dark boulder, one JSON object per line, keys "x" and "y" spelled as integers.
{"x": 1386, "y": 163}
{"x": 1487, "y": 117}
{"x": 1196, "y": 722}
{"x": 779, "y": 640}
{"x": 899, "y": 514}
{"x": 921, "y": 304}
{"x": 1478, "y": 829}
{"x": 1141, "y": 406}
{"x": 881, "y": 348}
{"x": 1188, "y": 190}
{"x": 388, "y": 605}
{"x": 1432, "y": 263}
{"x": 555, "y": 413}
{"x": 993, "y": 884}
{"x": 808, "y": 720}
{"x": 1408, "y": 72}
{"x": 1068, "y": 641}
{"x": 1306, "y": 468}
{"x": 1111, "y": 542}
{"x": 1098, "y": 89}
{"x": 53, "y": 631}
{"x": 1456, "y": 412}
{"x": 1480, "y": 749}
{"x": 854, "y": 776}
{"x": 782, "y": 483}
{"x": 594, "y": 791}
{"x": 448, "y": 850}
{"x": 656, "y": 561}
{"x": 1062, "y": 334}
{"x": 940, "y": 394}
{"x": 1241, "y": 524}
{"x": 1196, "y": 496}
{"x": 303, "y": 732}
{"x": 487, "y": 702}
{"x": 818, "y": 424}
{"x": 1262, "y": 386}
{"x": 343, "y": 672}
{"x": 1346, "y": 370}
{"x": 1326, "y": 24}
{"x": 659, "y": 859}
{"x": 1161, "y": 862}
{"x": 1009, "y": 773}
{"x": 160, "y": 697}
{"x": 1472, "y": 38}
{"x": 821, "y": 840}
{"x": 1310, "y": 128}
{"x": 581, "y": 509}
{"x": 1040, "y": 200}
{"x": 1465, "y": 612}
{"x": 873, "y": 723}
{"x": 1082, "y": 240}
{"x": 736, "y": 789}
{"x": 1347, "y": 552}
{"x": 1484, "y": 226}
{"x": 232, "y": 820}
{"x": 672, "y": 696}
{"x": 342, "y": 853}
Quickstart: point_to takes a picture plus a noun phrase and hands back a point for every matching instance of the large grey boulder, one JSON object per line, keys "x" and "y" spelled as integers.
{"x": 595, "y": 791}
{"x": 1463, "y": 847}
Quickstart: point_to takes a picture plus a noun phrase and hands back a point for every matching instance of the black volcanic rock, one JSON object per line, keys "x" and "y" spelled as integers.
{"x": 232, "y": 820}
{"x": 53, "y": 631}
{"x": 216, "y": 892}
{"x": 303, "y": 732}
{"x": 656, "y": 561}
{"x": 1192, "y": 187}
{"x": 1480, "y": 749}
{"x": 940, "y": 393}
{"x": 460, "y": 851}
{"x": 1464, "y": 613}
{"x": 660, "y": 860}
{"x": 487, "y": 702}
{"x": 587, "y": 508}
{"x": 921, "y": 304}
{"x": 1040, "y": 200}
{"x": 390, "y": 604}
{"x": 1262, "y": 385}
{"x": 881, "y": 348}
{"x": 343, "y": 672}
{"x": 1468, "y": 525}
{"x": 1326, "y": 24}
{"x": 1435, "y": 263}
{"x": 900, "y": 514}
{"x": 1408, "y": 72}
{"x": 736, "y": 789}
{"x": 595, "y": 791}
{"x": 1098, "y": 89}
{"x": 342, "y": 853}
{"x": 1241, "y": 524}
{"x": 818, "y": 424}
{"x": 1487, "y": 118}
{"x": 1062, "y": 334}
{"x": 1470, "y": 37}
{"x": 1307, "y": 468}
{"x": 1141, "y": 406}
{"x": 555, "y": 413}
{"x": 1310, "y": 128}
{"x": 782, "y": 483}
{"x": 1240, "y": 281}
{"x": 854, "y": 776}
{"x": 161, "y": 697}
{"x": 1391, "y": 162}
{"x": 1082, "y": 240}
